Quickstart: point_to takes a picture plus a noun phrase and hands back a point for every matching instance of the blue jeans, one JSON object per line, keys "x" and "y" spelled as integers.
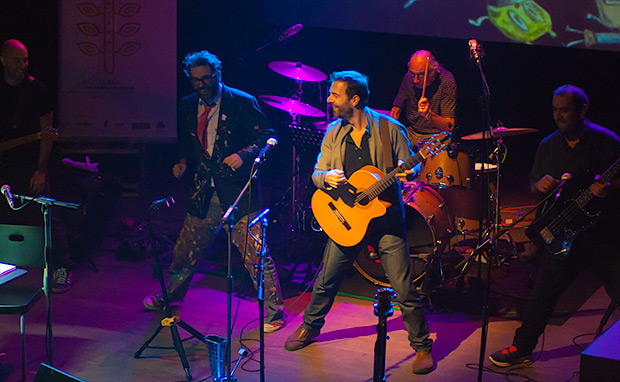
{"x": 191, "y": 247}
{"x": 393, "y": 250}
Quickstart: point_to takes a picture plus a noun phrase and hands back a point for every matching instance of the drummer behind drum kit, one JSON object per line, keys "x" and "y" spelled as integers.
{"x": 445, "y": 201}
{"x": 448, "y": 204}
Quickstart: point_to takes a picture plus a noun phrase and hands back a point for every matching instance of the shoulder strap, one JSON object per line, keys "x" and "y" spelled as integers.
{"x": 387, "y": 144}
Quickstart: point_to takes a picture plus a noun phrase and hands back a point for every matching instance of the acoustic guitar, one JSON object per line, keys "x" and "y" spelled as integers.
{"x": 345, "y": 212}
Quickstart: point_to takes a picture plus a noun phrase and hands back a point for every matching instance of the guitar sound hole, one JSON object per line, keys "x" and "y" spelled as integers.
{"x": 364, "y": 201}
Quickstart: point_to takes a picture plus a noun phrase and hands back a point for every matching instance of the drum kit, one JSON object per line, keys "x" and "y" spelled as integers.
{"x": 305, "y": 138}
{"x": 450, "y": 197}
{"x": 300, "y": 73}
{"x": 446, "y": 208}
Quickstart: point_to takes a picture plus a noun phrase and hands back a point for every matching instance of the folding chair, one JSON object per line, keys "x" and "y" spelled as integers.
{"x": 21, "y": 246}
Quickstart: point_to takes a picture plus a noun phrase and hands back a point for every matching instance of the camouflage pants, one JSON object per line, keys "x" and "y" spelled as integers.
{"x": 191, "y": 247}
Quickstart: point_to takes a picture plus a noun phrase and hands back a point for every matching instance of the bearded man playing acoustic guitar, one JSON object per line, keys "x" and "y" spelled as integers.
{"x": 352, "y": 142}
{"x": 577, "y": 152}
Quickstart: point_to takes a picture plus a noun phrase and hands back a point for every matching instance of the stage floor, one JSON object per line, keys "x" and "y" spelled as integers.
{"x": 100, "y": 323}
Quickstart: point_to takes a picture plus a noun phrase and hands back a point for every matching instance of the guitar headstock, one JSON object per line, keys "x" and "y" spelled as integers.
{"x": 435, "y": 144}
{"x": 49, "y": 133}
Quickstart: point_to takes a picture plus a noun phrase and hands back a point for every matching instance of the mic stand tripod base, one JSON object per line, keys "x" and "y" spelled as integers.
{"x": 174, "y": 322}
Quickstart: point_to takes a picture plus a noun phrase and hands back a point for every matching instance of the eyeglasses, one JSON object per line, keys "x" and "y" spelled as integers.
{"x": 420, "y": 75}
{"x": 204, "y": 80}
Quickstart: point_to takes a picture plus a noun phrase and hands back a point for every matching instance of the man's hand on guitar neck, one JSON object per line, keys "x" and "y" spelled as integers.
{"x": 335, "y": 178}
{"x": 602, "y": 190}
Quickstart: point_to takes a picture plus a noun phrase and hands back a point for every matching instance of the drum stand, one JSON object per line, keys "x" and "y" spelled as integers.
{"x": 305, "y": 138}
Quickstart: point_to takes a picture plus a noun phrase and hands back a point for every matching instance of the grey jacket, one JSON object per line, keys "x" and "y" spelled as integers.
{"x": 333, "y": 146}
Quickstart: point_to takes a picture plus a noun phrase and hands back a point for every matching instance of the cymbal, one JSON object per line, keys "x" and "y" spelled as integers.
{"x": 291, "y": 106}
{"x": 499, "y": 132}
{"x": 297, "y": 71}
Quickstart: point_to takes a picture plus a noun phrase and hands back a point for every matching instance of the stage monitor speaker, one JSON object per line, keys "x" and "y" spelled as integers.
{"x": 47, "y": 373}
{"x": 601, "y": 360}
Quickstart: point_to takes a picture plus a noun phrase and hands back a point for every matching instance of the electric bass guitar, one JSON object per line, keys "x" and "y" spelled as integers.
{"x": 557, "y": 227}
{"x": 345, "y": 212}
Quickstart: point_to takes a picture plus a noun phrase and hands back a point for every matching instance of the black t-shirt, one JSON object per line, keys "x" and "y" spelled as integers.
{"x": 20, "y": 110}
{"x": 598, "y": 148}
{"x": 356, "y": 157}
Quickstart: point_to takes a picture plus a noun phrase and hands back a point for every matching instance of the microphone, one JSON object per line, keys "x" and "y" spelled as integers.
{"x": 565, "y": 178}
{"x": 259, "y": 217}
{"x": 168, "y": 201}
{"x": 6, "y": 191}
{"x": 475, "y": 50}
{"x": 271, "y": 143}
{"x": 290, "y": 32}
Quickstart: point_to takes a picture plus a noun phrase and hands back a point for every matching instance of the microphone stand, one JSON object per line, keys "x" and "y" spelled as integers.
{"x": 46, "y": 203}
{"x": 261, "y": 291}
{"x": 383, "y": 310}
{"x": 477, "y": 55}
{"x": 228, "y": 219}
{"x": 489, "y": 244}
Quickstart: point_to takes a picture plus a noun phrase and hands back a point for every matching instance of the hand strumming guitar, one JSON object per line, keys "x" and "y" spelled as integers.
{"x": 335, "y": 178}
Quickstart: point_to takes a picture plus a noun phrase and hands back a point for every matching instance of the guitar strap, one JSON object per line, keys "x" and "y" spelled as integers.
{"x": 387, "y": 144}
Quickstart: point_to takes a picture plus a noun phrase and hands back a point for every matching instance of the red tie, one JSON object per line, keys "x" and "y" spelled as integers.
{"x": 202, "y": 127}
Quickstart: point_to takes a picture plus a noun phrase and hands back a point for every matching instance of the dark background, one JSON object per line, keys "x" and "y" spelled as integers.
{"x": 451, "y": 18}
{"x": 521, "y": 77}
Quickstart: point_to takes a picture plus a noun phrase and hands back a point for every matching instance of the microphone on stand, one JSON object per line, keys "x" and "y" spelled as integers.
{"x": 475, "y": 50}
{"x": 259, "y": 217}
{"x": 280, "y": 37}
{"x": 271, "y": 143}
{"x": 6, "y": 191}
{"x": 290, "y": 32}
{"x": 565, "y": 178}
{"x": 168, "y": 201}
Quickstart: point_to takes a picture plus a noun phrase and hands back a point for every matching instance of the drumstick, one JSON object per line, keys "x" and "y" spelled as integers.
{"x": 424, "y": 83}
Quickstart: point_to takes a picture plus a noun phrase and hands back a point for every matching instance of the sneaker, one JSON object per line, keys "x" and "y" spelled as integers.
{"x": 510, "y": 356}
{"x": 153, "y": 302}
{"x": 62, "y": 281}
{"x": 274, "y": 326}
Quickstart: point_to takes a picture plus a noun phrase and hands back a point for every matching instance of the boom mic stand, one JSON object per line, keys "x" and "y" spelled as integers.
{"x": 489, "y": 245}
{"x": 476, "y": 54}
{"x": 383, "y": 310}
{"x": 261, "y": 286}
{"x": 46, "y": 203}
{"x": 228, "y": 219}
{"x": 170, "y": 320}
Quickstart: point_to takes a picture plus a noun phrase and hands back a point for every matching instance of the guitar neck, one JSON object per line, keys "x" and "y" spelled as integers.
{"x": 586, "y": 196}
{"x": 377, "y": 188}
{"x": 4, "y": 146}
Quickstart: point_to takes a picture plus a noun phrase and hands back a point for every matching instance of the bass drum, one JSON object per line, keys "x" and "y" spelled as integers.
{"x": 428, "y": 232}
